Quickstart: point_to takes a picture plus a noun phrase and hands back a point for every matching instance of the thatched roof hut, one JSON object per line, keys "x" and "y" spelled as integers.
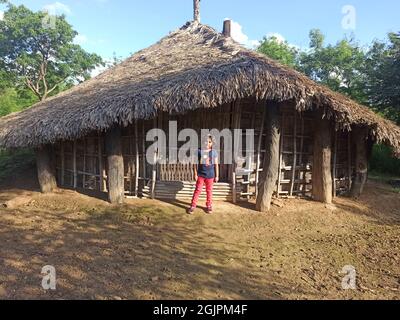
{"x": 193, "y": 67}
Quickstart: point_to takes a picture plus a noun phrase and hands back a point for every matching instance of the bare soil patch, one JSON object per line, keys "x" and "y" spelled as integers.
{"x": 153, "y": 250}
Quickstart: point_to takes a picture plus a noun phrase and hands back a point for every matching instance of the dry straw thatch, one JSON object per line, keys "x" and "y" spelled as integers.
{"x": 193, "y": 67}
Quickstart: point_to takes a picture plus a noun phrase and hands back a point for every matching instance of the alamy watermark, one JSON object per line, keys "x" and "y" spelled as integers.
{"x": 349, "y": 20}
{"x": 49, "y": 280}
{"x": 349, "y": 281}
{"x": 232, "y": 145}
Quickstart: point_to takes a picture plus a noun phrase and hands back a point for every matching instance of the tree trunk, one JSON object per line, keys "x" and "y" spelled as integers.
{"x": 116, "y": 188}
{"x": 46, "y": 169}
{"x": 360, "y": 136}
{"x": 322, "y": 163}
{"x": 270, "y": 174}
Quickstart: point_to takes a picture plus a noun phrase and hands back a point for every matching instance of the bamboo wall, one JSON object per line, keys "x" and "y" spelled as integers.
{"x": 82, "y": 164}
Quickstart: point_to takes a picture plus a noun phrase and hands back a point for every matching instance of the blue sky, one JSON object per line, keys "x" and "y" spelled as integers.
{"x": 126, "y": 26}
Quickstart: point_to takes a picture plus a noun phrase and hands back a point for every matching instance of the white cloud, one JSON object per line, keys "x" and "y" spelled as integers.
{"x": 279, "y": 38}
{"x": 238, "y": 35}
{"x": 80, "y": 39}
{"x": 57, "y": 8}
{"x": 1, "y": 15}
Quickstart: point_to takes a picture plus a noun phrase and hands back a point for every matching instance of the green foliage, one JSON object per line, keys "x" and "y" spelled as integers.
{"x": 382, "y": 161}
{"x": 340, "y": 66}
{"x": 39, "y": 52}
{"x": 383, "y": 77}
{"x": 11, "y": 161}
{"x": 278, "y": 50}
{"x": 13, "y": 100}
{"x": 371, "y": 77}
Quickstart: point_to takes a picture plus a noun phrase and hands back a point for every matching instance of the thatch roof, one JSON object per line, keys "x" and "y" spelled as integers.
{"x": 193, "y": 67}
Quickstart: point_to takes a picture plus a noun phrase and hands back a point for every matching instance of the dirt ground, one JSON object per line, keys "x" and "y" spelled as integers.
{"x": 153, "y": 250}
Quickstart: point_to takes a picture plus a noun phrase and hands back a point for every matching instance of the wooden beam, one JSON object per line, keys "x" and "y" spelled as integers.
{"x": 270, "y": 174}
{"x": 349, "y": 161}
{"x": 45, "y": 169}
{"x": 281, "y": 155}
{"x": 294, "y": 153}
{"x": 75, "y": 174}
{"x": 360, "y": 139}
{"x": 335, "y": 150}
{"x": 116, "y": 188}
{"x": 62, "y": 164}
{"x": 103, "y": 178}
{"x": 137, "y": 160}
{"x": 236, "y": 121}
{"x": 322, "y": 164}
{"x": 260, "y": 139}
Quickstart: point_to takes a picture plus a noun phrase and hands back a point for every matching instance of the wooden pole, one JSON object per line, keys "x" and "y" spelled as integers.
{"x": 103, "y": 179}
{"x": 335, "y": 150}
{"x": 360, "y": 136}
{"x": 236, "y": 119}
{"x": 75, "y": 173}
{"x": 270, "y": 172}
{"x": 322, "y": 166}
{"x": 349, "y": 160}
{"x": 62, "y": 164}
{"x": 260, "y": 139}
{"x": 45, "y": 169}
{"x": 196, "y": 10}
{"x": 116, "y": 188}
{"x": 294, "y": 153}
{"x": 137, "y": 160}
{"x": 281, "y": 155}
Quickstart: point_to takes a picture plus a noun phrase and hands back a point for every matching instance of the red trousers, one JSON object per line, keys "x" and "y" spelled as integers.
{"x": 199, "y": 188}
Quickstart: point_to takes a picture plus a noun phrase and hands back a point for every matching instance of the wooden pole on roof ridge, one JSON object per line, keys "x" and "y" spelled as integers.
{"x": 196, "y": 10}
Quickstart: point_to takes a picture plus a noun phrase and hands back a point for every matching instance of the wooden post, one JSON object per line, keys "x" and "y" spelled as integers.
{"x": 62, "y": 164}
{"x": 335, "y": 150}
{"x": 236, "y": 119}
{"x": 281, "y": 156}
{"x": 322, "y": 166}
{"x": 137, "y": 160}
{"x": 75, "y": 173}
{"x": 270, "y": 172}
{"x": 45, "y": 169}
{"x": 116, "y": 188}
{"x": 260, "y": 139}
{"x": 349, "y": 160}
{"x": 294, "y": 165}
{"x": 154, "y": 177}
{"x": 196, "y": 10}
{"x": 103, "y": 179}
{"x": 359, "y": 136}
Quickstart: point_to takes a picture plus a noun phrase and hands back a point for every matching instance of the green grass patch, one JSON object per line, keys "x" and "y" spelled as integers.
{"x": 15, "y": 161}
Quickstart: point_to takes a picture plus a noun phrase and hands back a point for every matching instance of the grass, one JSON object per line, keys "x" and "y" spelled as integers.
{"x": 13, "y": 161}
{"x": 385, "y": 178}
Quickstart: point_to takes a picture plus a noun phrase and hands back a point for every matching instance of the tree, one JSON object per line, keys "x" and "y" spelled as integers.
{"x": 339, "y": 66}
{"x": 278, "y": 50}
{"x": 41, "y": 55}
{"x": 382, "y": 70}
